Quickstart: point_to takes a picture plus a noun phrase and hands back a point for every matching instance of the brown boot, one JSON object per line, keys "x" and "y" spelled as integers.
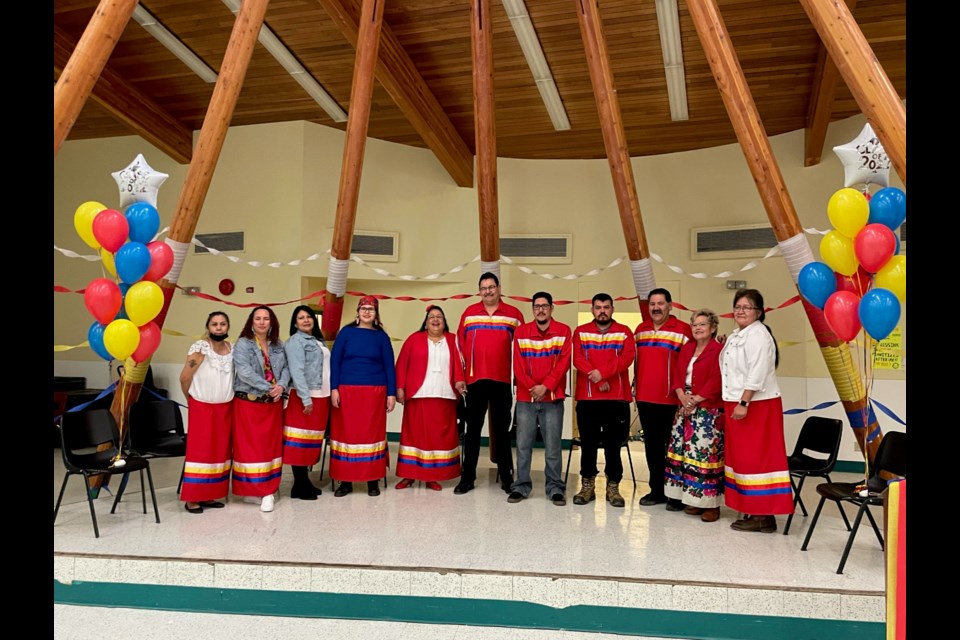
{"x": 613, "y": 494}
{"x": 710, "y": 515}
{"x": 762, "y": 524}
{"x": 587, "y": 493}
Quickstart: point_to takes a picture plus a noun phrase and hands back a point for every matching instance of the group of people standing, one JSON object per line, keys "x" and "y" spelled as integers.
{"x": 710, "y": 412}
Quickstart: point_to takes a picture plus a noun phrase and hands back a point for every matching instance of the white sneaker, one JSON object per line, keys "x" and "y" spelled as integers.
{"x": 266, "y": 505}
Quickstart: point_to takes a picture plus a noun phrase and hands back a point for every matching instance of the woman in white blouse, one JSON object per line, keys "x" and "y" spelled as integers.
{"x": 757, "y": 477}
{"x": 207, "y": 382}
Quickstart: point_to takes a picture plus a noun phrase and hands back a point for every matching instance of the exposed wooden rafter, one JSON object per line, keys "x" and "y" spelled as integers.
{"x": 399, "y": 76}
{"x": 124, "y": 102}
{"x": 822, "y": 91}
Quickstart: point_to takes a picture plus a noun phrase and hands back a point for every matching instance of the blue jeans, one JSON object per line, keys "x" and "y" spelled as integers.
{"x": 549, "y": 417}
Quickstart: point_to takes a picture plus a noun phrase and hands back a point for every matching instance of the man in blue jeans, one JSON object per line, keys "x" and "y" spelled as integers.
{"x": 541, "y": 363}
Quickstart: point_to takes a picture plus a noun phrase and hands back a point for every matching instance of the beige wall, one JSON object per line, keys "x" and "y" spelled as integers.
{"x": 278, "y": 183}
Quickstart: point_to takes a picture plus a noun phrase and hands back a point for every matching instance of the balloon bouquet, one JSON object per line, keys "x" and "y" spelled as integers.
{"x": 125, "y": 304}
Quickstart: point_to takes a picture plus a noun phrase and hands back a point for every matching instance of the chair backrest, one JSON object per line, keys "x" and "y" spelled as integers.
{"x": 82, "y": 433}
{"x": 821, "y": 435}
{"x": 150, "y": 421}
{"x": 891, "y": 460}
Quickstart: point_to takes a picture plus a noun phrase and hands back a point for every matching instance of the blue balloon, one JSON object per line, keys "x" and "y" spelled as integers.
{"x": 95, "y": 338}
{"x": 144, "y": 221}
{"x": 888, "y": 207}
{"x": 816, "y": 282}
{"x": 879, "y": 312}
{"x": 132, "y": 261}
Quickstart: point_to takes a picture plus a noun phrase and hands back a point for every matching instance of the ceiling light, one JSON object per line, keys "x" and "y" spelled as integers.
{"x": 146, "y": 20}
{"x": 289, "y": 62}
{"x": 530, "y": 44}
{"x": 668, "y": 19}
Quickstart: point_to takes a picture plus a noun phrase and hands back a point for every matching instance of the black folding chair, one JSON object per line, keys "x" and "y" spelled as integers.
{"x": 818, "y": 435}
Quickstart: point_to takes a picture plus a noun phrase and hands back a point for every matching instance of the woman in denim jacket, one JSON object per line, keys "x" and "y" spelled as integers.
{"x": 262, "y": 378}
{"x": 308, "y": 407}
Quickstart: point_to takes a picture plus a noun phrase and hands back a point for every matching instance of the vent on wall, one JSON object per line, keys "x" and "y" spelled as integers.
{"x": 537, "y": 249}
{"x": 747, "y": 241}
{"x": 229, "y": 241}
{"x": 377, "y": 245}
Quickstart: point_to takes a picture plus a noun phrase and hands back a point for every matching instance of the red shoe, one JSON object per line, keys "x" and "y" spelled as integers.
{"x": 434, "y": 486}
{"x": 403, "y": 484}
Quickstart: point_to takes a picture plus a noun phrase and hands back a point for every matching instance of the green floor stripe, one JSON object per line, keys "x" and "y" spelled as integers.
{"x": 460, "y": 611}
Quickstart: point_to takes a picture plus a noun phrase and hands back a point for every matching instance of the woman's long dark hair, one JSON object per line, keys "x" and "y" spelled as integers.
{"x": 315, "y": 332}
{"x": 756, "y": 299}
{"x": 273, "y": 335}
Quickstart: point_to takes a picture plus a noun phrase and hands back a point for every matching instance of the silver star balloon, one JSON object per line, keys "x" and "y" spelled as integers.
{"x": 864, "y": 160}
{"x": 138, "y": 182}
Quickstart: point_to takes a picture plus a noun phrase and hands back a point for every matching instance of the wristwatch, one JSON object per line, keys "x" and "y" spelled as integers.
{"x": 744, "y": 403}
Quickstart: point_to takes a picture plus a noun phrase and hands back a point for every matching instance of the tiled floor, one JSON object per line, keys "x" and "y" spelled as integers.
{"x": 425, "y": 543}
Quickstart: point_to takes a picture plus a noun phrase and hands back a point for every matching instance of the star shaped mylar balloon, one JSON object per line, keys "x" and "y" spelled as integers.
{"x": 864, "y": 160}
{"x": 138, "y": 182}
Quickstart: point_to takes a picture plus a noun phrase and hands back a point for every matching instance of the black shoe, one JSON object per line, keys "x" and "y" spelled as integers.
{"x": 304, "y": 491}
{"x": 514, "y": 497}
{"x": 674, "y": 505}
{"x": 558, "y": 499}
{"x": 343, "y": 489}
{"x": 463, "y": 487}
{"x": 212, "y": 504}
{"x": 196, "y": 509}
{"x": 373, "y": 488}
{"x": 650, "y": 499}
{"x": 506, "y": 484}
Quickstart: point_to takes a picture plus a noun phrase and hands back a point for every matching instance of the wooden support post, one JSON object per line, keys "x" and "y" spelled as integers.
{"x": 485, "y": 129}
{"x": 868, "y": 82}
{"x": 772, "y": 189}
{"x": 361, "y": 95}
{"x": 85, "y": 64}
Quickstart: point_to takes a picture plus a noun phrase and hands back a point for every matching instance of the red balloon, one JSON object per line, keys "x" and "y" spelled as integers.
{"x": 161, "y": 259}
{"x": 859, "y": 283}
{"x": 103, "y": 299}
{"x": 873, "y": 246}
{"x": 110, "y": 228}
{"x": 842, "y": 312}
{"x": 149, "y": 341}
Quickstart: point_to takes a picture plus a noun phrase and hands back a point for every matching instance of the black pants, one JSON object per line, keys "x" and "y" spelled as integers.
{"x": 656, "y": 420}
{"x": 606, "y": 423}
{"x": 499, "y": 398}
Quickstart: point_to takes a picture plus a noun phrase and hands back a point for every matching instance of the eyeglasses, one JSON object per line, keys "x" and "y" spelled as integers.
{"x": 745, "y": 308}
{"x": 434, "y": 317}
{"x": 541, "y": 307}
{"x": 492, "y": 287}
{"x": 700, "y": 324}
{"x": 367, "y": 309}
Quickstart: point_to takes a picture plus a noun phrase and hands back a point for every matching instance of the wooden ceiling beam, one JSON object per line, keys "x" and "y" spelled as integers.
{"x": 410, "y": 92}
{"x": 130, "y": 106}
{"x": 821, "y": 104}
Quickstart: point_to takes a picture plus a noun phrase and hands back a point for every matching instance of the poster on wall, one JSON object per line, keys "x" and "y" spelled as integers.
{"x": 889, "y": 352}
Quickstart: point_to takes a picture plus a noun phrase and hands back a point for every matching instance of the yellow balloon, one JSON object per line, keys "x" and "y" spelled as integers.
{"x": 836, "y": 250}
{"x": 143, "y": 302}
{"x": 121, "y": 338}
{"x": 848, "y": 211}
{"x": 893, "y": 276}
{"x": 107, "y": 258}
{"x": 83, "y": 222}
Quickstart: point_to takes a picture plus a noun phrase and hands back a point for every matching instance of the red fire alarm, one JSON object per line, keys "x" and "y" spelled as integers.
{"x": 227, "y": 286}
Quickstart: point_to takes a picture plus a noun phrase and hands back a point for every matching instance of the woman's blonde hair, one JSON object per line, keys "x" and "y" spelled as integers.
{"x": 711, "y": 317}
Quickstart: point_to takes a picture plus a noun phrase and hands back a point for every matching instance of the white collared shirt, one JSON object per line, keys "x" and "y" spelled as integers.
{"x": 748, "y": 361}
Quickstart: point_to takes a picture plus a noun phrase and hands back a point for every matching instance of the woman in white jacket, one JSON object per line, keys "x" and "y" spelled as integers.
{"x": 757, "y": 477}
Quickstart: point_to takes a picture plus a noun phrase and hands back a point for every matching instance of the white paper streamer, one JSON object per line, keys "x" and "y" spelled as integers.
{"x": 643, "y": 279}
{"x": 337, "y": 276}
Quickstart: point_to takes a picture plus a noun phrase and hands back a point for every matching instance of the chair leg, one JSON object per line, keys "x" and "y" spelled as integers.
{"x": 853, "y": 534}
{"x": 93, "y": 512}
{"x": 569, "y": 458}
{"x": 183, "y": 470}
{"x": 143, "y": 493}
{"x": 876, "y": 529}
{"x": 630, "y": 460}
{"x": 813, "y": 524}
{"x": 153, "y": 495}
{"x": 120, "y": 490}
{"x": 63, "y": 488}
{"x": 796, "y": 500}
